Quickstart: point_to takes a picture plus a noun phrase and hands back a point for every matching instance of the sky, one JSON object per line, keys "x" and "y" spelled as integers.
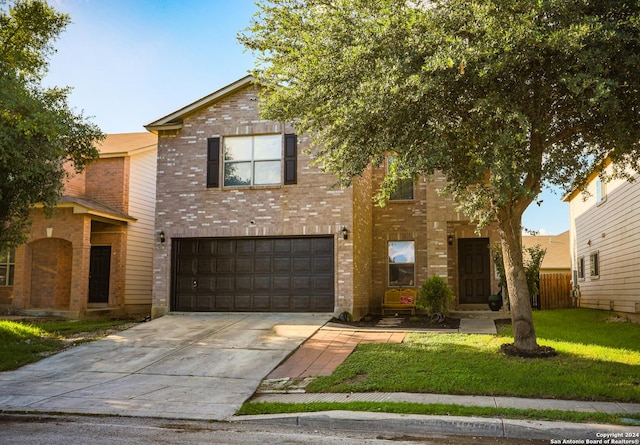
{"x": 131, "y": 62}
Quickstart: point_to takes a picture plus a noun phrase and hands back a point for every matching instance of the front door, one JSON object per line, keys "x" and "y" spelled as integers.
{"x": 473, "y": 270}
{"x": 99, "y": 274}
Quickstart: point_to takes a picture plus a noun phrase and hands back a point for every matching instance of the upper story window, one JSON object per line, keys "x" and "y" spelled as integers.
{"x": 404, "y": 188}
{"x": 7, "y": 266}
{"x": 252, "y": 160}
{"x": 401, "y": 263}
{"x": 601, "y": 192}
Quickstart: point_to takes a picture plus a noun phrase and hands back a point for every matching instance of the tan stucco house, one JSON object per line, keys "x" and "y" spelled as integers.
{"x": 246, "y": 222}
{"x": 605, "y": 246}
{"x": 94, "y": 255}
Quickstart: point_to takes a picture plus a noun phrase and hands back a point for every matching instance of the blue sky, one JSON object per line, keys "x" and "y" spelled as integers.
{"x": 131, "y": 62}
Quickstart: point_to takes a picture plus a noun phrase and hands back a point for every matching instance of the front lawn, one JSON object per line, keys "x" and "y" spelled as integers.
{"x": 27, "y": 342}
{"x": 598, "y": 359}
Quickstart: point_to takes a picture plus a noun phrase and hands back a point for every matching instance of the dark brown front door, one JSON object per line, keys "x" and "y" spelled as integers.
{"x": 253, "y": 274}
{"x": 99, "y": 274}
{"x": 473, "y": 270}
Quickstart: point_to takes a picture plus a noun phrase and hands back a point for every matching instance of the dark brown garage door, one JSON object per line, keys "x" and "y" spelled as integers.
{"x": 253, "y": 274}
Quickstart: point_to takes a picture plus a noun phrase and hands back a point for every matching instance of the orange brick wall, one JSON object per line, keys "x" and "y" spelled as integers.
{"x": 108, "y": 182}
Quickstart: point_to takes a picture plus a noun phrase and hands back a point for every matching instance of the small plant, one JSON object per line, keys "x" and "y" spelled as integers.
{"x": 435, "y": 295}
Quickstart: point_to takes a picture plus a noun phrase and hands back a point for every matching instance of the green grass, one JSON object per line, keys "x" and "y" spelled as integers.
{"x": 23, "y": 343}
{"x": 434, "y": 410}
{"x": 596, "y": 361}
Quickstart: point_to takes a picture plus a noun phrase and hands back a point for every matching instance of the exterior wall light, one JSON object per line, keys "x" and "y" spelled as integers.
{"x": 345, "y": 233}
{"x": 450, "y": 240}
{"x": 162, "y": 237}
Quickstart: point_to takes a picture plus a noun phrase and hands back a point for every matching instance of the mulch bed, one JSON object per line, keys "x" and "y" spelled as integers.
{"x": 401, "y": 322}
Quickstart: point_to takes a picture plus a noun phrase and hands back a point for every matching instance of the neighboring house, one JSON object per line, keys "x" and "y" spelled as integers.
{"x": 95, "y": 253}
{"x": 557, "y": 258}
{"x": 605, "y": 246}
{"x": 246, "y": 222}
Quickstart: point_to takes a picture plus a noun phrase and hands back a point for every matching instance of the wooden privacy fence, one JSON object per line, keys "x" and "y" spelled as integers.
{"x": 555, "y": 291}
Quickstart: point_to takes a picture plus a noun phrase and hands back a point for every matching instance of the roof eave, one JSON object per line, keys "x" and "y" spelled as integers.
{"x": 173, "y": 121}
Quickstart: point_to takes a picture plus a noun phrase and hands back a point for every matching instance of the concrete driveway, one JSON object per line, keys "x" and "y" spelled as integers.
{"x": 190, "y": 366}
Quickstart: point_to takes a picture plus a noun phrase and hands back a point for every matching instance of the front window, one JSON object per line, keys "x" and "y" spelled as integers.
{"x": 401, "y": 263}
{"x": 252, "y": 160}
{"x": 7, "y": 266}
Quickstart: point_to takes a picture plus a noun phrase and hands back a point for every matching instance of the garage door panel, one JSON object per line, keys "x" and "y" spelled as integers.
{"x": 303, "y": 265}
{"x": 281, "y": 283}
{"x": 281, "y": 264}
{"x": 244, "y": 247}
{"x": 242, "y": 302}
{"x": 281, "y": 302}
{"x": 262, "y": 265}
{"x": 222, "y": 303}
{"x": 254, "y": 274}
{"x": 244, "y": 265}
{"x": 243, "y": 283}
{"x": 262, "y": 303}
{"x": 224, "y": 265}
{"x": 223, "y": 284}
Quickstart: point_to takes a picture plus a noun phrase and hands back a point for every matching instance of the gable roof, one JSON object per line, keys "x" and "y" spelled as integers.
{"x": 127, "y": 144}
{"x": 173, "y": 121}
{"x": 558, "y": 254}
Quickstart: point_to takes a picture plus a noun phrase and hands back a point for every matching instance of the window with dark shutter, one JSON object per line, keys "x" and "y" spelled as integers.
{"x": 290, "y": 159}
{"x": 213, "y": 162}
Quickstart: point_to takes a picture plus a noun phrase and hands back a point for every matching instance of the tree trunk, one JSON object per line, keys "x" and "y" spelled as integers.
{"x": 521, "y": 315}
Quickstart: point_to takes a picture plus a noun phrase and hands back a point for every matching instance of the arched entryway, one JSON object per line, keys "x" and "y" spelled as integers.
{"x": 51, "y": 265}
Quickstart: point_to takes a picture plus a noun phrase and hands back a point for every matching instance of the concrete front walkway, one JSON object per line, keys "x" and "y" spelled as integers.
{"x": 191, "y": 366}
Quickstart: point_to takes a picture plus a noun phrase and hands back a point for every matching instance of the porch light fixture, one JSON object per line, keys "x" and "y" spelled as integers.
{"x": 345, "y": 233}
{"x": 450, "y": 240}
{"x": 162, "y": 237}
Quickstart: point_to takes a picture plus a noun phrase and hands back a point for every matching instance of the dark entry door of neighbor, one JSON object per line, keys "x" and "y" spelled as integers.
{"x": 99, "y": 274}
{"x": 473, "y": 270}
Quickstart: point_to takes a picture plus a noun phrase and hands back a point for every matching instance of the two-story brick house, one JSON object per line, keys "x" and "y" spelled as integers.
{"x": 95, "y": 252}
{"x": 245, "y": 221}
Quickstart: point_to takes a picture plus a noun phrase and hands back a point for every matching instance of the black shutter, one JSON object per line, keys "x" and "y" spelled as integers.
{"x": 213, "y": 162}
{"x": 290, "y": 159}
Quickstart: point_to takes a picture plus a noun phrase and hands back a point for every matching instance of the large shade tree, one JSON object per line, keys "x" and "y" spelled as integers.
{"x": 502, "y": 97}
{"x": 39, "y": 132}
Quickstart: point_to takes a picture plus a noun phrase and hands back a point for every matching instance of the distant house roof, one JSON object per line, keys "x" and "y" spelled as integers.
{"x": 127, "y": 144}
{"x": 173, "y": 121}
{"x": 558, "y": 254}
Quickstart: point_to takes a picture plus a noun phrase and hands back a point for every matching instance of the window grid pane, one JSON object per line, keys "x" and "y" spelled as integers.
{"x": 262, "y": 155}
{"x": 401, "y": 263}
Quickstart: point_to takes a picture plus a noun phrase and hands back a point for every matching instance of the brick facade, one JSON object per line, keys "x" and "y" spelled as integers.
{"x": 52, "y": 267}
{"x": 186, "y": 208}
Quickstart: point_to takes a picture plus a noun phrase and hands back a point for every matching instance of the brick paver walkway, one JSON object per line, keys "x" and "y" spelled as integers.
{"x": 321, "y": 354}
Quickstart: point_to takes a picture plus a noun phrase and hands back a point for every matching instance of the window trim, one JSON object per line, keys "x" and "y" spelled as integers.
{"x": 391, "y": 159}
{"x": 601, "y": 191}
{"x": 10, "y": 264}
{"x": 581, "y": 268}
{"x": 252, "y": 161}
{"x": 390, "y": 263}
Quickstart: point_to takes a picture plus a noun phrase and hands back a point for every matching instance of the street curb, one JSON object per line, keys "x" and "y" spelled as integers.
{"x": 419, "y": 425}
